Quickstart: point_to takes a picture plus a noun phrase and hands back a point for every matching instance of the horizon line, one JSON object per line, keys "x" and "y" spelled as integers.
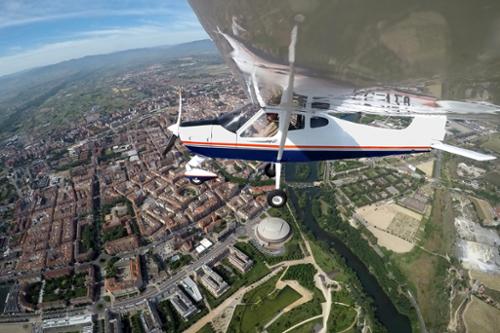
{"x": 99, "y": 55}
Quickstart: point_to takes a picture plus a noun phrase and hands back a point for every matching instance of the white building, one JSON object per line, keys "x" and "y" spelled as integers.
{"x": 191, "y": 289}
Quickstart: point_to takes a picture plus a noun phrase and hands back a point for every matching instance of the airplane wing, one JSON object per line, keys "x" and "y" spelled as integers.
{"x": 393, "y": 57}
{"x": 462, "y": 152}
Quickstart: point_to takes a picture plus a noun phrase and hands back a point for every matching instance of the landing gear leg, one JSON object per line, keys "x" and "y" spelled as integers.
{"x": 277, "y": 198}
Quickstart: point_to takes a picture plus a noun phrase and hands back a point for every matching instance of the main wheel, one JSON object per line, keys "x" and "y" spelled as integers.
{"x": 270, "y": 170}
{"x": 276, "y": 198}
{"x": 196, "y": 181}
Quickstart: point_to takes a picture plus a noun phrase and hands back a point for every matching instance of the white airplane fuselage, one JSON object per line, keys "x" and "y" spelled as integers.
{"x": 323, "y": 137}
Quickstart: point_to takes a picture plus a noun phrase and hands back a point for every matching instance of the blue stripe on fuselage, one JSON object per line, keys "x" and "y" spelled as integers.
{"x": 293, "y": 155}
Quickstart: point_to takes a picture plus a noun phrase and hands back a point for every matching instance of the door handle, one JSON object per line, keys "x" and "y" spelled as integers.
{"x": 264, "y": 141}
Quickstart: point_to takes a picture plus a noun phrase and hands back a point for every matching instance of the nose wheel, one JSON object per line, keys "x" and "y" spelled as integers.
{"x": 196, "y": 181}
{"x": 276, "y": 198}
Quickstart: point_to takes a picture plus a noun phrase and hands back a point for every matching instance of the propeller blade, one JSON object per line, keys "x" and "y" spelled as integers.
{"x": 170, "y": 144}
{"x": 175, "y": 127}
{"x": 179, "y": 112}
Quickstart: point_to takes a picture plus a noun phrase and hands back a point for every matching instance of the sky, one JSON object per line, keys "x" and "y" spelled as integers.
{"x": 36, "y": 33}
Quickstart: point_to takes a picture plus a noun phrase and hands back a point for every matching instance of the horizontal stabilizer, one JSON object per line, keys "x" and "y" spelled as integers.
{"x": 195, "y": 162}
{"x": 462, "y": 152}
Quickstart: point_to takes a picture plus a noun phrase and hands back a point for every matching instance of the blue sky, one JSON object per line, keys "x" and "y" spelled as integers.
{"x": 35, "y": 33}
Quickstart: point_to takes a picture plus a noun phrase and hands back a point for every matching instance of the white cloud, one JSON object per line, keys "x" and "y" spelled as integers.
{"x": 19, "y": 20}
{"x": 100, "y": 42}
{"x": 23, "y": 12}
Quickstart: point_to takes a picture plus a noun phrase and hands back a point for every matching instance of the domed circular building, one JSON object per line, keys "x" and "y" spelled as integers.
{"x": 272, "y": 231}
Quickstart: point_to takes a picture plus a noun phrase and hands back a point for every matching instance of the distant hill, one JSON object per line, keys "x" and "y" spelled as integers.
{"x": 11, "y": 84}
{"x": 22, "y": 93}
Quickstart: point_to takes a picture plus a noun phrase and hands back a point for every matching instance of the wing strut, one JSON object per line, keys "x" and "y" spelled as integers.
{"x": 287, "y": 97}
{"x": 287, "y": 105}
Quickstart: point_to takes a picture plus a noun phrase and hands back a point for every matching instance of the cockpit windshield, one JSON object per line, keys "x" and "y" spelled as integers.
{"x": 232, "y": 121}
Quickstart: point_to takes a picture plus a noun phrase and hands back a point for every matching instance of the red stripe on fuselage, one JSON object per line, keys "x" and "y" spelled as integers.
{"x": 263, "y": 145}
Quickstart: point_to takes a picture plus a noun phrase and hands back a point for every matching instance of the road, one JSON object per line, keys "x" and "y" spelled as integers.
{"x": 162, "y": 289}
{"x": 419, "y": 314}
{"x": 322, "y": 282}
{"x": 11, "y": 305}
{"x": 437, "y": 165}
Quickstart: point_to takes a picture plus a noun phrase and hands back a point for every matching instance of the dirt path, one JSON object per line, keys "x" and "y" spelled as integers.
{"x": 232, "y": 300}
{"x": 305, "y": 260}
{"x": 321, "y": 279}
{"x": 302, "y": 323}
{"x": 306, "y": 294}
{"x": 445, "y": 257}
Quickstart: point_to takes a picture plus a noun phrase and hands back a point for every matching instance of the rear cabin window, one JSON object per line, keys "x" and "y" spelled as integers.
{"x": 318, "y": 122}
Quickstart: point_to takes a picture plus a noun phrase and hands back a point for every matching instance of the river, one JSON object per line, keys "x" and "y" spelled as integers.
{"x": 385, "y": 311}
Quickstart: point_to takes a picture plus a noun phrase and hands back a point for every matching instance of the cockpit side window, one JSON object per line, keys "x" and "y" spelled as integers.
{"x": 265, "y": 126}
{"x": 318, "y": 122}
{"x": 297, "y": 121}
{"x": 232, "y": 121}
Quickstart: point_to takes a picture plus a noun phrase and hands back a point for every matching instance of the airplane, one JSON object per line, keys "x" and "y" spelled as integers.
{"x": 294, "y": 115}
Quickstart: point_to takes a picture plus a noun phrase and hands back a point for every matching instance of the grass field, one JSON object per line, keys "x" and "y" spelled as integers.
{"x": 427, "y": 273}
{"x": 488, "y": 279}
{"x": 299, "y": 314}
{"x": 341, "y": 317}
{"x": 260, "y": 306}
{"x": 327, "y": 262}
{"x": 481, "y": 317}
{"x": 492, "y": 177}
{"x": 492, "y": 143}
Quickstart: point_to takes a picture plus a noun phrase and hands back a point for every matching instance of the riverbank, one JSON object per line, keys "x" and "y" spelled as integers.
{"x": 307, "y": 208}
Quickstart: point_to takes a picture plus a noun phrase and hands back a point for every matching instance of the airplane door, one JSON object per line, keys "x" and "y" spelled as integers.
{"x": 221, "y": 135}
{"x": 261, "y": 135}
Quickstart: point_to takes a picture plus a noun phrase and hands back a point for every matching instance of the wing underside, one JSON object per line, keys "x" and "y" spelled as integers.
{"x": 409, "y": 57}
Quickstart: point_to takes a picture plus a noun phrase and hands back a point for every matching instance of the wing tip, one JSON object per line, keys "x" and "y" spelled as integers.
{"x": 463, "y": 152}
